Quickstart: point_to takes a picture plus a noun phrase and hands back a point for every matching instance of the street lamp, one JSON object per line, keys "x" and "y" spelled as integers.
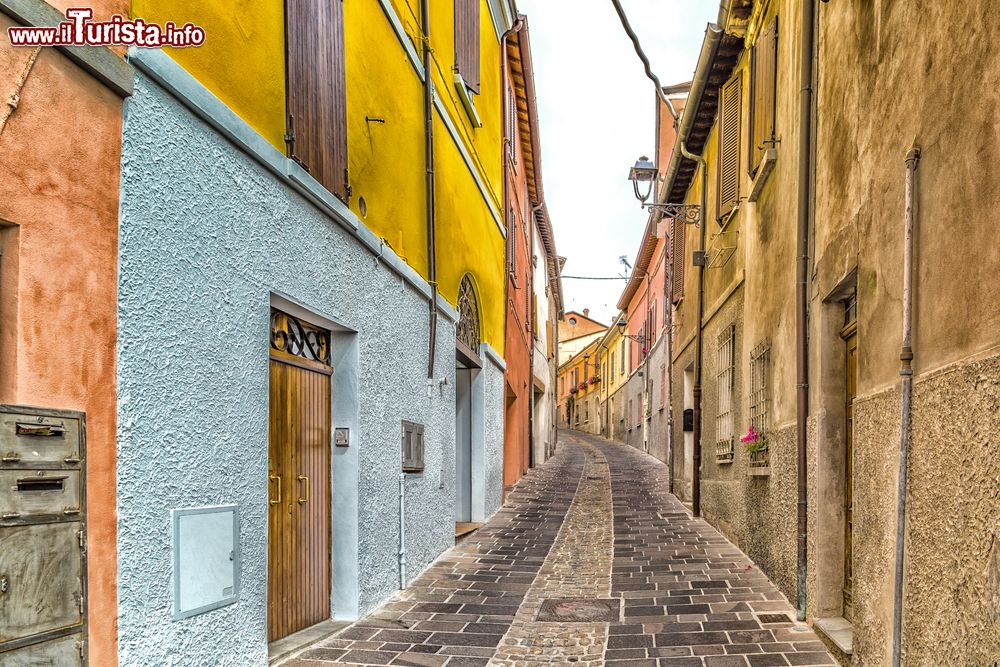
{"x": 644, "y": 171}
{"x": 622, "y": 325}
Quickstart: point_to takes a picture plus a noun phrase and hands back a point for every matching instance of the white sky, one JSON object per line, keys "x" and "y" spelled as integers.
{"x": 596, "y": 110}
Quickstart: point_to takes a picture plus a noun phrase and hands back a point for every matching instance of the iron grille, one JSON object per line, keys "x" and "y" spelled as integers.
{"x": 724, "y": 436}
{"x": 760, "y": 399}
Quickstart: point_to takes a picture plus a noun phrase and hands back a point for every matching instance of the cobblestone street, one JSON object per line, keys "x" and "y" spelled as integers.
{"x": 591, "y": 561}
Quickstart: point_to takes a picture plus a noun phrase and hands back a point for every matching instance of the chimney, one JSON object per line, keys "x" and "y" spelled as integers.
{"x": 586, "y": 312}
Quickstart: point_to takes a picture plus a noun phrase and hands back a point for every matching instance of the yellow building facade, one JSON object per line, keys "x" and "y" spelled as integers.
{"x": 243, "y": 62}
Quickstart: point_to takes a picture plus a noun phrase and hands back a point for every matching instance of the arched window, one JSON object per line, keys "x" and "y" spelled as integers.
{"x": 467, "y": 329}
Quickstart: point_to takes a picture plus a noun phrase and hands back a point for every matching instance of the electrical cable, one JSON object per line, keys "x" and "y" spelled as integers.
{"x": 594, "y": 277}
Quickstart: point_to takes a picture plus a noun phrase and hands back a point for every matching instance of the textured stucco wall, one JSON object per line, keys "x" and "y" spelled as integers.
{"x": 680, "y": 465}
{"x": 660, "y": 402}
{"x": 206, "y": 236}
{"x": 952, "y": 528}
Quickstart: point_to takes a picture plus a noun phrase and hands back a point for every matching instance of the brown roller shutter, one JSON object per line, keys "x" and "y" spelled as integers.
{"x": 677, "y": 259}
{"x": 316, "y": 90}
{"x": 467, "y": 42}
{"x": 729, "y": 145}
{"x": 762, "y": 93}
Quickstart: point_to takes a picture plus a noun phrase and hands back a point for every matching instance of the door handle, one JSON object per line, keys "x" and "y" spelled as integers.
{"x": 305, "y": 482}
{"x": 275, "y": 478}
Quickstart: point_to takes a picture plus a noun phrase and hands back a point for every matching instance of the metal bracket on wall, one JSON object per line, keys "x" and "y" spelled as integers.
{"x": 689, "y": 214}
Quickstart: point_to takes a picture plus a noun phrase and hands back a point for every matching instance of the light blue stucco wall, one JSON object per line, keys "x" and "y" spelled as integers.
{"x": 207, "y": 236}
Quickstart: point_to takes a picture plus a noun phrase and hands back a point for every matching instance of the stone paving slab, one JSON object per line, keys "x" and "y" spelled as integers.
{"x": 593, "y": 523}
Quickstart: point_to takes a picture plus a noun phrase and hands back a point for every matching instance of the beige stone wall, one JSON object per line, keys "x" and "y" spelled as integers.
{"x": 892, "y": 75}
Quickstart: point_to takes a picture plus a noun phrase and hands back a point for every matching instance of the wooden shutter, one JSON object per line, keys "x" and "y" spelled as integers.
{"x": 467, "y": 42}
{"x": 316, "y": 90}
{"x": 677, "y": 259}
{"x": 729, "y": 145}
{"x": 764, "y": 73}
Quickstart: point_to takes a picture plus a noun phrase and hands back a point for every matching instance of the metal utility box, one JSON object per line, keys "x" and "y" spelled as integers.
{"x": 43, "y": 556}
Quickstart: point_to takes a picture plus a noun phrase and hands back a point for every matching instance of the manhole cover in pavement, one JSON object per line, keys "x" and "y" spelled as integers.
{"x": 577, "y": 610}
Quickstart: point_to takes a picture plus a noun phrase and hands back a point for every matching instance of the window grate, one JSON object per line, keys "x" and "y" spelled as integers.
{"x": 760, "y": 399}
{"x": 724, "y": 440}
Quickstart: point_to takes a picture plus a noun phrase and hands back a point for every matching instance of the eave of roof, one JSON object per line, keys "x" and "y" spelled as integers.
{"x": 704, "y": 109}
{"x": 523, "y": 82}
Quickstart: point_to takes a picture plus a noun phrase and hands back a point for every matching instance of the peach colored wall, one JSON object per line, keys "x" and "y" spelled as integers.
{"x": 59, "y": 180}
{"x": 519, "y": 336}
{"x": 637, "y": 313}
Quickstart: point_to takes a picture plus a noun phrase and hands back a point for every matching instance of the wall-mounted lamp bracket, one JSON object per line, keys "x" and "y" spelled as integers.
{"x": 689, "y": 214}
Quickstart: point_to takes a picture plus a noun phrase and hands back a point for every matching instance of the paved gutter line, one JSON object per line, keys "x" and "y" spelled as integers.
{"x": 528, "y": 641}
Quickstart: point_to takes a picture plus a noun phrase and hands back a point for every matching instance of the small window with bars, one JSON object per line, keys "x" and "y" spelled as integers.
{"x": 725, "y": 417}
{"x": 663, "y": 386}
{"x": 760, "y": 401}
{"x": 413, "y": 447}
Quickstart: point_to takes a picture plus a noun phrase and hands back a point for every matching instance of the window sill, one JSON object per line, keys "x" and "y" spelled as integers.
{"x": 763, "y": 171}
{"x": 839, "y": 631}
{"x": 466, "y": 96}
{"x": 760, "y": 472}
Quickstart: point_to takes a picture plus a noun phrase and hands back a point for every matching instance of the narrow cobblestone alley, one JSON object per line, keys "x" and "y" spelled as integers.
{"x": 591, "y": 561}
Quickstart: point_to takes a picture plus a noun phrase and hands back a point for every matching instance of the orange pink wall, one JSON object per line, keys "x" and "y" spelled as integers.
{"x": 519, "y": 337}
{"x": 59, "y": 181}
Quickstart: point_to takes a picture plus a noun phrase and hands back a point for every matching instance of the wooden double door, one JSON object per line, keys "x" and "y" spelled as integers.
{"x": 298, "y": 551}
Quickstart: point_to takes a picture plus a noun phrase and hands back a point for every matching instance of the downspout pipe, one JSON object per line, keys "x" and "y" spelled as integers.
{"x": 668, "y": 314}
{"x": 802, "y": 296}
{"x": 906, "y": 391}
{"x": 402, "y": 530}
{"x": 647, "y": 384}
{"x": 429, "y": 185}
{"x": 699, "y": 333}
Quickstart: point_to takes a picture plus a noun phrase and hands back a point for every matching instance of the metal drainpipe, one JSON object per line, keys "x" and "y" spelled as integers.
{"x": 429, "y": 163}
{"x": 402, "y": 530}
{"x": 532, "y": 325}
{"x": 647, "y": 381}
{"x": 802, "y": 295}
{"x": 699, "y": 342}
{"x": 906, "y": 391}
{"x": 668, "y": 281}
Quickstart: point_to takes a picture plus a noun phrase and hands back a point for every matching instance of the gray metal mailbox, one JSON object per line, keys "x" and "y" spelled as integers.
{"x": 43, "y": 556}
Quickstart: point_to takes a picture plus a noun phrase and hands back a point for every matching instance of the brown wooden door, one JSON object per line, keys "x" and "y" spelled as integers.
{"x": 851, "y": 389}
{"x": 298, "y": 551}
